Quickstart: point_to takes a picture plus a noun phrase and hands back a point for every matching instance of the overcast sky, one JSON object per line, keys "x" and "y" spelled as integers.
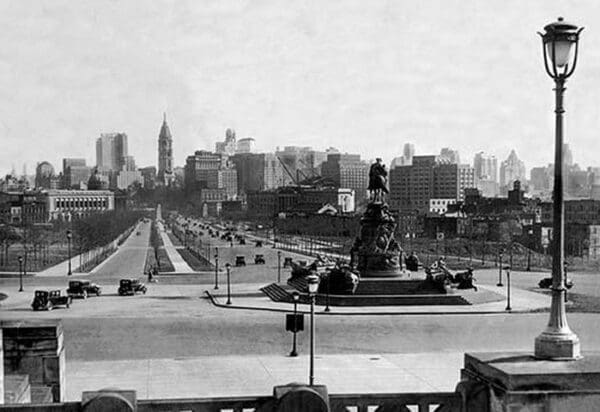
{"x": 363, "y": 76}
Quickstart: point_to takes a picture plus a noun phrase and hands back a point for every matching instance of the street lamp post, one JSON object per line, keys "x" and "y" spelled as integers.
{"x": 20, "y": 259}
{"x": 216, "y": 268}
{"x": 500, "y": 269}
{"x": 295, "y": 297}
{"x": 69, "y": 236}
{"x": 228, "y": 267}
{"x": 508, "y": 308}
{"x": 313, "y": 286}
{"x": 529, "y": 242}
{"x": 279, "y": 266}
{"x": 327, "y": 290}
{"x": 560, "y": 46}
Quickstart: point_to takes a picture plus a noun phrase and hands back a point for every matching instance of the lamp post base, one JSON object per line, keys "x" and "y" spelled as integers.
{"x": 557, "y": 346}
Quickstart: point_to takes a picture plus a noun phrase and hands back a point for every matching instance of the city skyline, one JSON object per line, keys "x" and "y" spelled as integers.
{"x": 338, "y": 75}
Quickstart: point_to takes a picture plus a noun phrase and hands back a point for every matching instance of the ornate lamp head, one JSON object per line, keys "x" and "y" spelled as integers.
{"x": 560, "y": 42}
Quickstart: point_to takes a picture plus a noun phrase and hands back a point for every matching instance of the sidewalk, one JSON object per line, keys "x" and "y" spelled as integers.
{"x": 247, "y": 296}
{"x": 62, "y": 268}
{"x": 214, "y": 376}
{"x": 179, "y": 264}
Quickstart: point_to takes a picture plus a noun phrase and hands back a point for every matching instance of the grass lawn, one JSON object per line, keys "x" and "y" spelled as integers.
{"x": 196, "y": 263}
{"x": 576, "y": 302}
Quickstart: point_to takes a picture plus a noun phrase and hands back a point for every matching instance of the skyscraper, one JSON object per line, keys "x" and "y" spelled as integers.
{"x": 207, "y": 170}
{"x": 408, "y": 153}
{"x": 486, "y": 167}
{"x": 347, "y": 171}
{"x": 165, "y": 154}
{"x": 567, "y": 156}
{"x": 228, "y": 146}
{"x": 486, "y": 174}
{"x": 75, "y": 173}
{"x": 111, "y": 148}
{"x": 510, "y": 170}
{"x": 427, "y": 178}
{"x": 450, "y": 155}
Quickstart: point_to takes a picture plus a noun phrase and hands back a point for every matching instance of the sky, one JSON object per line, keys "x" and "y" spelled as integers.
{"x": 363, "y": 76}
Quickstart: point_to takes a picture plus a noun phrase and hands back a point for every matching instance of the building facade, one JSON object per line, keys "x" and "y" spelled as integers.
{"x": 165, "y": 154}
{"x": 228, "y": 146}
{"x": 148, "y": 177}
{"x": 73, "y": 204}
{"x": 111, "y": 148}
{"x": 511, "y": 169}
{"x": 257, "y": 172}
{"x": 302, "y": 162}
{"x": 45, "y": 176}
{"x": 20, "y": 207}
{"x": 208, "y": 170}
{"x": 347, "y": 171}
{"x": 413, "y": 186}
{"x": 245, "y": 145}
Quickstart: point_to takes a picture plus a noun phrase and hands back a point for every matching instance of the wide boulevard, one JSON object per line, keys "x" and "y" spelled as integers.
{"x": 175, "y": 320}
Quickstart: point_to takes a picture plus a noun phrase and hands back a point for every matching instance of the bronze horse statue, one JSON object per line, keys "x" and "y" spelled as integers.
{"x": 377, "y": 181}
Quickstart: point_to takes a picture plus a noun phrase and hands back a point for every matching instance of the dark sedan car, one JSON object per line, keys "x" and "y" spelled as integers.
{"x": 131, "y": 287}
{"x": 83, "y": 289}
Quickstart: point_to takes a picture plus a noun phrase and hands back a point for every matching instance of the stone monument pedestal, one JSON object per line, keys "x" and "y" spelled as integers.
{"x": 516, "y": 381}
{"x": 375, "y": 251}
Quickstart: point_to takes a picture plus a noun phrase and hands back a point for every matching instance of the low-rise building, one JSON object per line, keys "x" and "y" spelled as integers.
{"x": 71, "y": 204}
{"x": 22, "y": 207}
{"x": 440, "y": 206}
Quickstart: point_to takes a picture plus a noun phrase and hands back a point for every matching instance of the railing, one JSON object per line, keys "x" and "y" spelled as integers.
{"x": 415, "y": 402}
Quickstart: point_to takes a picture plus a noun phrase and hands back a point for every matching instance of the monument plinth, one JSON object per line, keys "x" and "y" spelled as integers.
{"x": 377, "y": 254}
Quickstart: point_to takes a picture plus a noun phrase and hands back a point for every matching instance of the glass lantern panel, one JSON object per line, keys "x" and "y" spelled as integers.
{"x": 563, "y": 52}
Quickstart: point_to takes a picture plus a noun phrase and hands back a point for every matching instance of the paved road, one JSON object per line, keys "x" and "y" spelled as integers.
{"x": 173, "y": 321}
{"x": 129, "y": 260}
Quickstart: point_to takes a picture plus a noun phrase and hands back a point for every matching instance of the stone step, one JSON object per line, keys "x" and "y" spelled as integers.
{"x": 276, "y": 293}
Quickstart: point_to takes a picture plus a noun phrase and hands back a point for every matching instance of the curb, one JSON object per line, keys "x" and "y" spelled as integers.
{"x": 215, "y": 302}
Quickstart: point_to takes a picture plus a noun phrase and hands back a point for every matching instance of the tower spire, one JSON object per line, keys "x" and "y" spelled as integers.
{"x": 164, "y": 117}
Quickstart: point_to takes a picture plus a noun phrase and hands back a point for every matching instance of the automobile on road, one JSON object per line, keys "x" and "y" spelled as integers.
{"x": 48, "y": 300}
{"x": 129, "y": 287}
{"x": 83, "y": 289}
{"x": 547, "y": 282}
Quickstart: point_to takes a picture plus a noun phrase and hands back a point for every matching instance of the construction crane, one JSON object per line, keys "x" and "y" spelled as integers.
{"x": 295, "y": 180}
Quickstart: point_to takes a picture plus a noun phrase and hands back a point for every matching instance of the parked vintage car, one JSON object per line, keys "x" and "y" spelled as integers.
{"x": 48, "y": 300}
{"x": 83, "y": 289}
{"x": 131, "y": 287}
{"x": 259, "y": 260}
{"x": 259, "y": 243}
{"x": 547, "y": 282}
{"x": 240, "y": 261}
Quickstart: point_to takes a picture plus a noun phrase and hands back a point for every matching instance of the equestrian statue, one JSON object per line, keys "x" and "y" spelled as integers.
{"x": 377, "y": 182}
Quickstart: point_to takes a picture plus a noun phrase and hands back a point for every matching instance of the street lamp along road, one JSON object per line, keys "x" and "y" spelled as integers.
{"x": 295, "y": 298}
{"x": 69, "y": 236}
{"x": 216, "y": 268}
{"x": 20, "y": 259}
{"x": 560, "y": 47}
{"x": 313, "y": 286}
{"x": 228, "y": 267}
